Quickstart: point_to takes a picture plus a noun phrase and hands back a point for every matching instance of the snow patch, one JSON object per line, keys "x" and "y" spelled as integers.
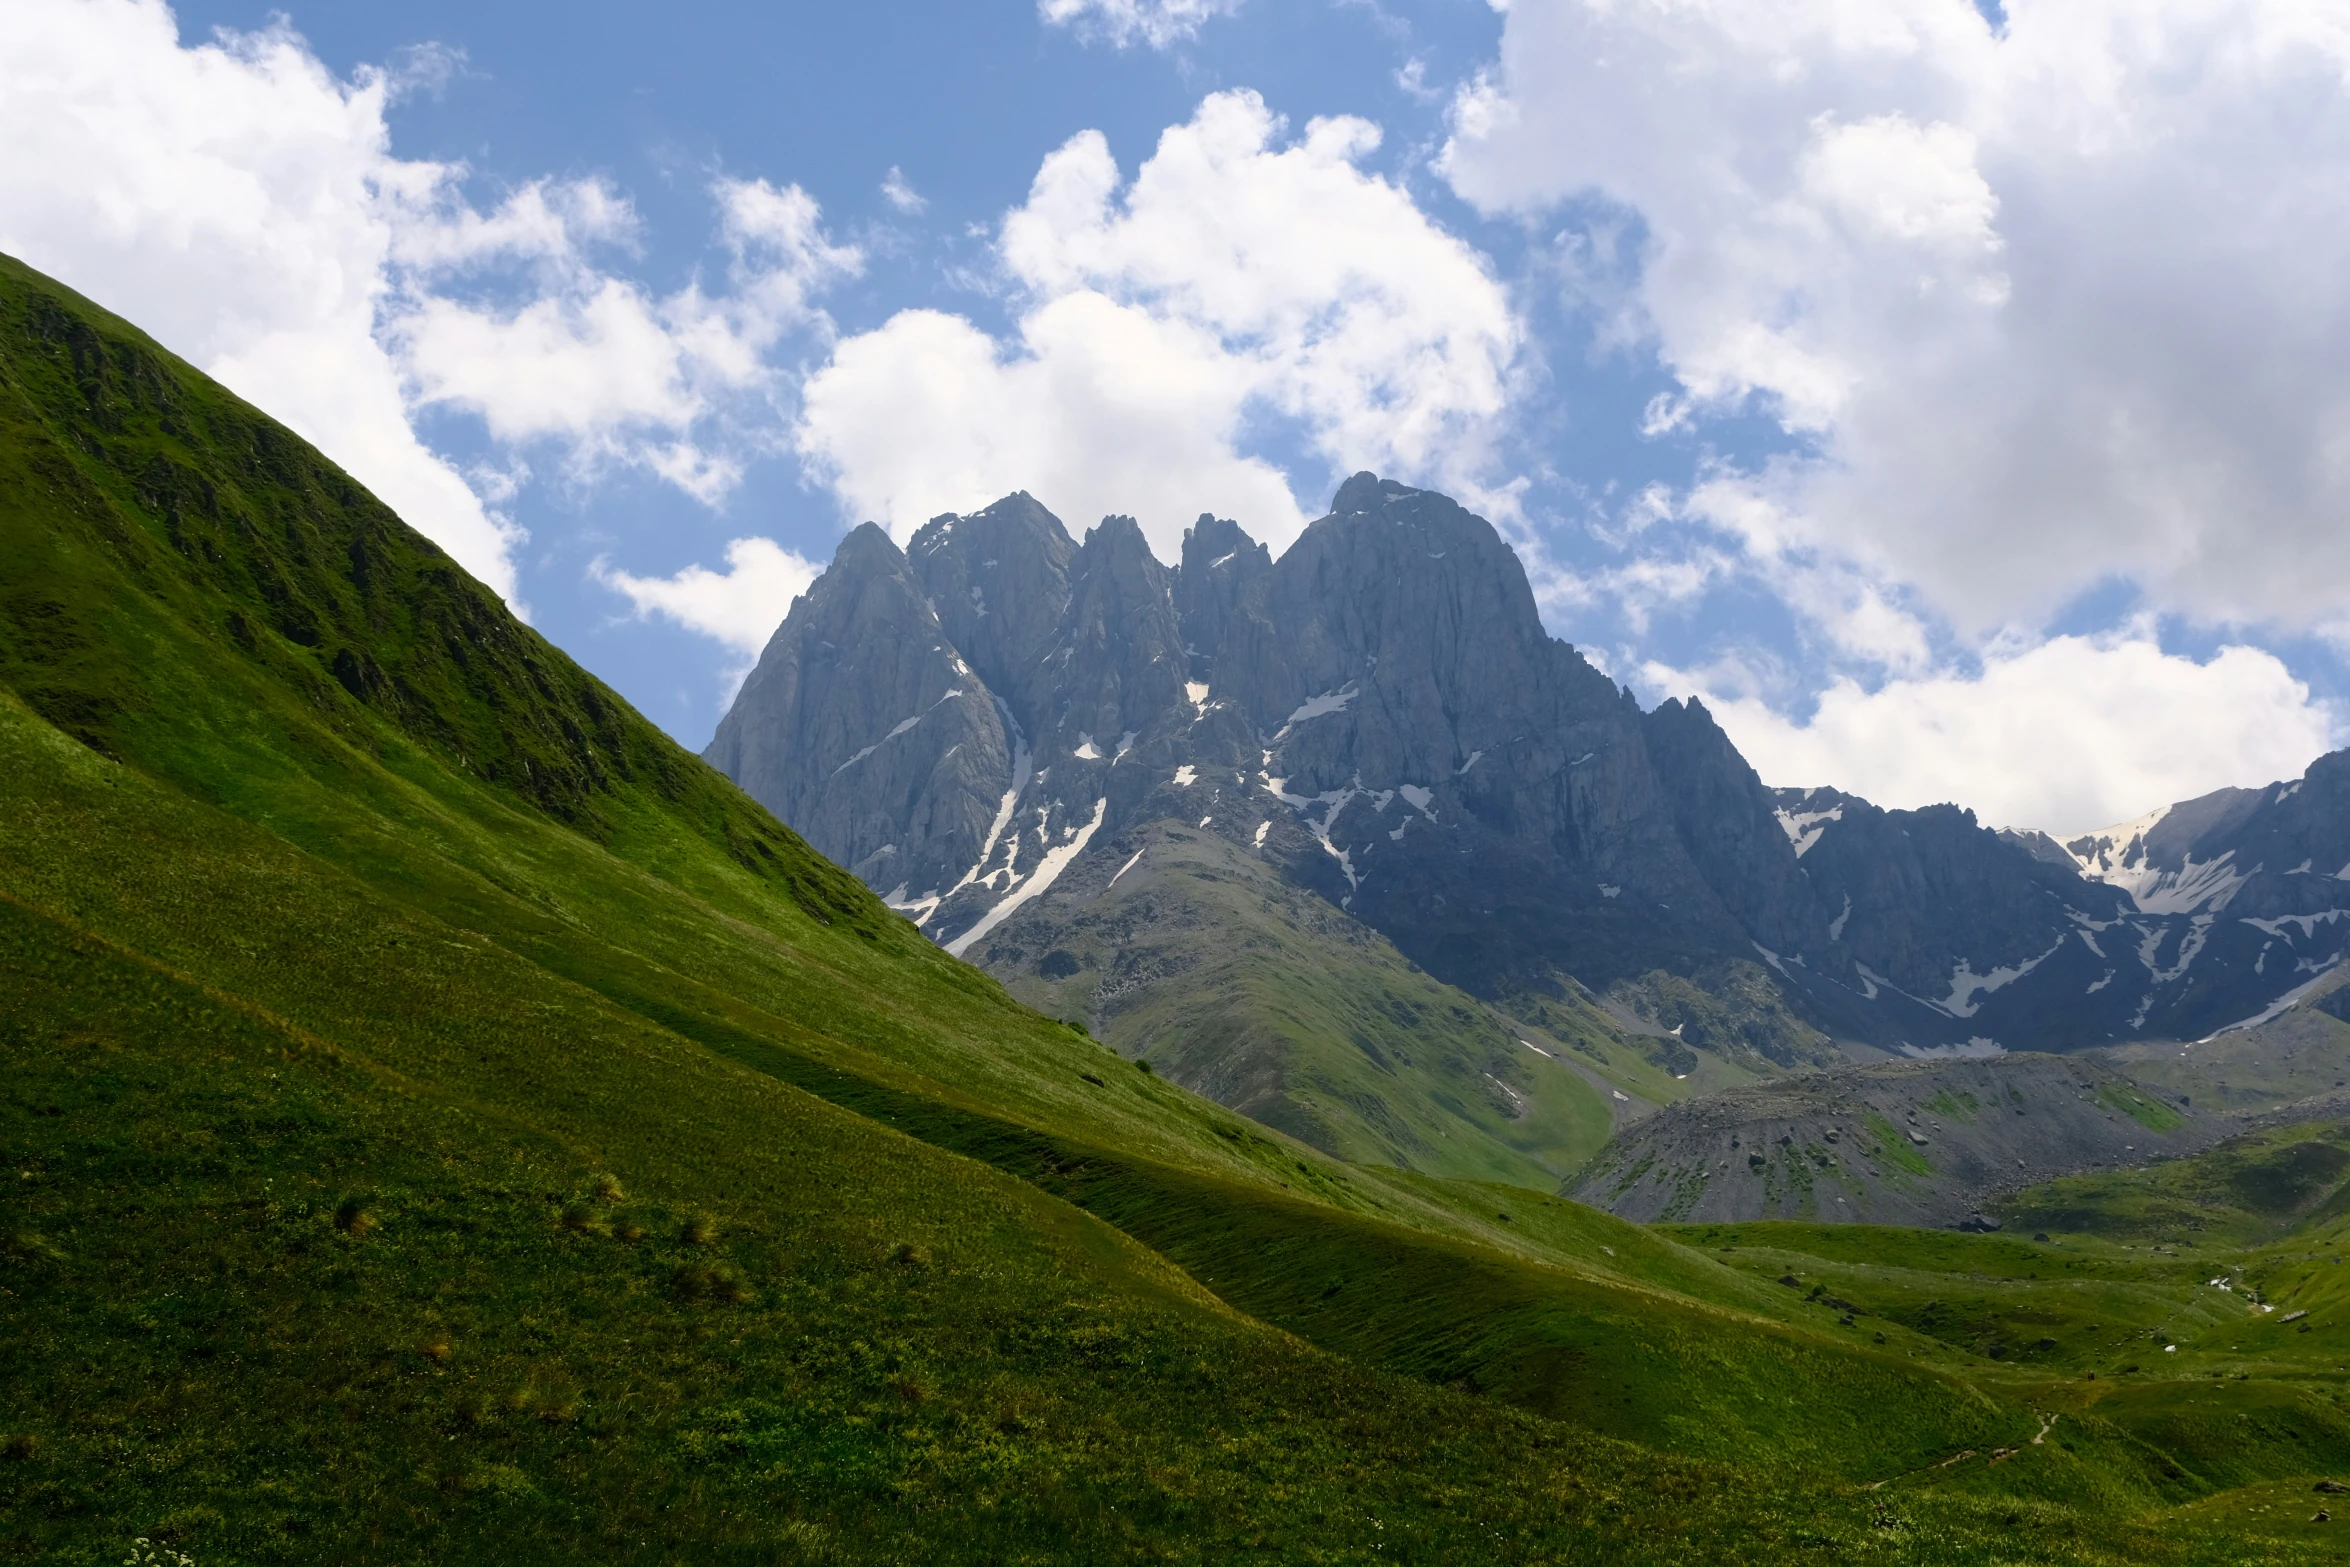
{"x": 1321, "y": 706}
{"x": 1966, "y": 986}
{"x": 1196, "y": 692}
{"x": 1804, "y": 828}
{"x": 1123, "y": 869}
{"x": 1022, "y": 768}
{"x": 1607, "y": 891}
{"x": 1086, "y": 750}
{"x": 1836, "y": 926}
{"x": 915, "y": 909}
{"x": 1186, "y": 776}
{"x": 1047, "y": 872}
{"x": 2119, "y": 857}
{"x": 2190, "y": 947}
{"x": 1336, "y": 801}
{"x": 902, "y": 726}
{"x": 2308, "y": 923}
{"x": 1418, "y": 797}
{"x": 1262, "y": 829}
{"x": 1476, "y": 756}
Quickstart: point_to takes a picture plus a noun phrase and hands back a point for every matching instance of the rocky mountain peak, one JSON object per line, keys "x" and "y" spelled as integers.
{"x": 1365, "y": 492}
{"x": 1728, "y": 822}
{"x": 1117, "y": 662}
{"x": 1220, "y": 599}
{"x": 999, "y": 581}
{"x": 864, "y": 721}
{"x": 1379, "y": 717}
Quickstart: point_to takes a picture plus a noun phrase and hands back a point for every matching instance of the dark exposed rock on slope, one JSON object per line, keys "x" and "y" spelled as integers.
{"x": 1931, "y": 1143}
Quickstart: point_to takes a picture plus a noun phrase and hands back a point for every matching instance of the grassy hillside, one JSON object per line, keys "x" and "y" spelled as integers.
{"x": 447, "y": 1122}
{"x": 1294, "y": 1014}
{"x": 2186, "y": 1324}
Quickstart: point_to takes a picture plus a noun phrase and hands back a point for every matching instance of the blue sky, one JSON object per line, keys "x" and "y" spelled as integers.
{"x": 1961, "y": 423}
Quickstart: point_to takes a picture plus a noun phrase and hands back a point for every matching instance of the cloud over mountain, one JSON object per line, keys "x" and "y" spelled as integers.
{"x": 2046, "y": 305}
{"x": 1241, "y": 275}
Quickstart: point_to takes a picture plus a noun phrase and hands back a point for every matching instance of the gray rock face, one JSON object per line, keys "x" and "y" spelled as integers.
{"x": 864, "y": 723}
{"x": 962, "y": 723}
{"x": 2278, "y": 852}
{"x": 999, "y": 583}
{"x": 2217, "y": 911}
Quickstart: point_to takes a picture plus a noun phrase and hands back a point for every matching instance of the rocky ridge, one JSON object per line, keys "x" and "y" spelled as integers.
{"x": 1912, "y": 1143}
{"x": 1379, "y": 718}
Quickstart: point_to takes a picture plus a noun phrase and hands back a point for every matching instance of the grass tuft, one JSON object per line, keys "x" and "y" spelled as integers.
{"x": 581, "y": 1219}
{"x": 710, "y": 1282}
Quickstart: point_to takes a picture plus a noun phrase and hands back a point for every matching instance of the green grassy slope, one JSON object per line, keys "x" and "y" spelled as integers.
{"x": 532, "y": 1280}
{"x": 2187, "y": 1325}
{"x": 1294, "y": 1014}
{"x": 444, "y": 1121}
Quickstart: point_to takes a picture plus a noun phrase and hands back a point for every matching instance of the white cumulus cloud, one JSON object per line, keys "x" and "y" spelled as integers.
{"x": 2050, "y": 305}
{"x": 2067, "y": 735}
{"x": 1239, "y": 275}
{"x": 900, "y": 193}
{"x": 1159, "y": 23}
{"x": 595, "y": 361}
{"x": 739, "y": 607}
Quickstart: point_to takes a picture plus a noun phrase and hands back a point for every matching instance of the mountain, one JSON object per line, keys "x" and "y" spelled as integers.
{"x": 2278, "y": 855}
{"x": 1000, "y": 727}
